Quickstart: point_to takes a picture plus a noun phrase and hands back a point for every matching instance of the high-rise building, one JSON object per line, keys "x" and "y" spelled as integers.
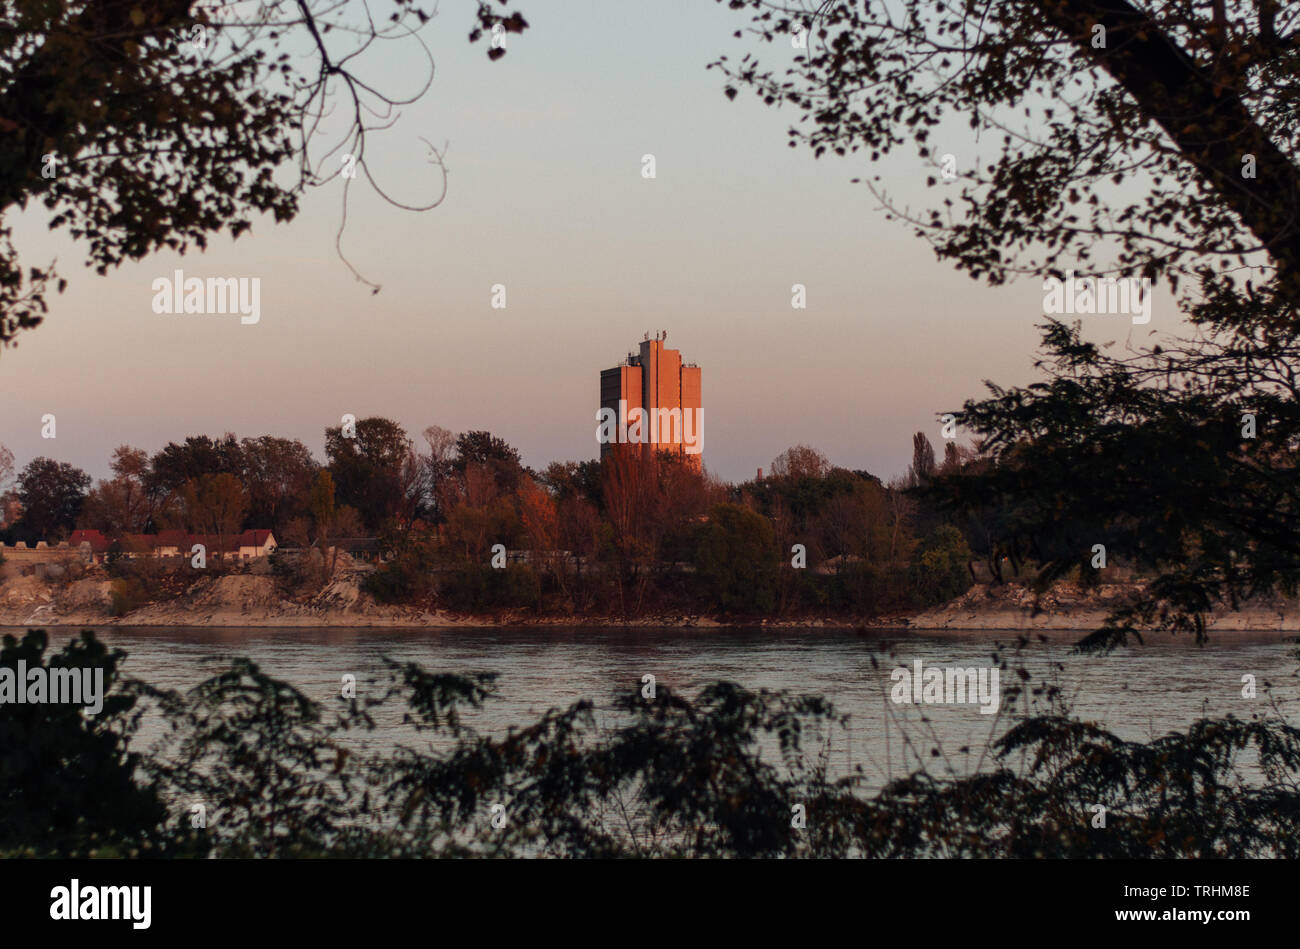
{"x": 653, "y": 399}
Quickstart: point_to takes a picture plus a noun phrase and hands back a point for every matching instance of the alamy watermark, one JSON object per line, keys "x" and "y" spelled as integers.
{"x": 73, "y": 902}
{"x": 181, "y": 294}
{"x": 41, "y": 686}
{"x": 1123, "y": 296}
{"x": 947, "y": 685}
{"x": 657, "y": 426}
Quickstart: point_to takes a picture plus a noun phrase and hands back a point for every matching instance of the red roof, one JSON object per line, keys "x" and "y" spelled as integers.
{"x": 255, "y": 538}
{"x": 171, "y": 538}
{"x": 98, "y": 542}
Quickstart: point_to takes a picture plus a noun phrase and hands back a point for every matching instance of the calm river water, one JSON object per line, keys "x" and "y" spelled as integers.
{"x": 1138, "y": 692}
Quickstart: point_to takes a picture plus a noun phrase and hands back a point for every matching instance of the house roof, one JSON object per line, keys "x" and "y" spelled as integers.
{"x": 255, "y": 538}
{"x": 98, "y": 542}
{"x": 139, "y": 542}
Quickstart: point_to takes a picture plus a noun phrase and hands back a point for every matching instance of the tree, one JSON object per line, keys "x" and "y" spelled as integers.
{"x": 372, "y": 469}
{"x": 924, "y": 513}
{"x": 199, "y": 455}
{"x": 216, "y": 504}
{"x": 1148, "y": 457}
{"x": 123, "y": 504}
{"x": 150, "y": 124}
{"x": 854, "y": 523}
{"x": 737, "y": 559}
{"x": 51, "y": 493}
{"x": 435, "y": 468}
{"x": 801, "y": 461}
{"x": 278, "y": 473}
{"x": 473, "y": 529}
{"x": 902, "y": 512}
{"x": 573, "y": 479}
{"x": 347, "y": 523}
{"x": 539, "y": 521}
{"x": 276, "y": 795}
{"x": 803, "y": 497}
{"x": 923, "y": 465}
{"x": 1149, "y": 141}
{"x": 1166, "y": 95}
{"x": 321, "y": 505}
{"x": 176, "y": 464}
{"x": 631, "y": 497}
{"x": 579, "y": 535}
{"x": 329, "y": 520}
{"x": 485, "y": 451}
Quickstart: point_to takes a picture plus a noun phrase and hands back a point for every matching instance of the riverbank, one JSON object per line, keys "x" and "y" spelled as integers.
{"x": 249, "y": 600}
{"x": 1067, "y": 606}
{"x": 245, "y": 600}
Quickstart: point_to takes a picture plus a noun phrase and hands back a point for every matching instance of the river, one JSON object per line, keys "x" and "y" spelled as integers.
{"x": 1138, "y": 692}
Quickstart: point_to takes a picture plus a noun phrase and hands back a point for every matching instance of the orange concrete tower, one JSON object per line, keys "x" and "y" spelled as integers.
{"x": 654, "y": 400}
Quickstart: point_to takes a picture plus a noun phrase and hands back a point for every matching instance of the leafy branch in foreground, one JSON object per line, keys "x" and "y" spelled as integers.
{"x": 1181, "y": 461}
{"x": 143, "y": 125}
{"x": 718, "y": 775}
{"x": 1153, "y": 139}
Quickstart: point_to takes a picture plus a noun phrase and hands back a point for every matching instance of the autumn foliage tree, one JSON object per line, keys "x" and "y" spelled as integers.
{"x": 1144, "y": 139}
{"x": 122, "y": 504}
{"x": 141, "y": 125}
{"x": 216, "y": 505}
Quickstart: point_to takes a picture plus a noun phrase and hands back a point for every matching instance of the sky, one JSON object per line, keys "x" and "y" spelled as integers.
{"x": 546, "y": 197}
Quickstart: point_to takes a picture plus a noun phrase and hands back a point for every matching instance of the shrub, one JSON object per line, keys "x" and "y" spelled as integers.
{"x": 297, "y": 571}
{"x": 940, "y": 568}
{"x": 126, "y": 595}
{"x": 874, "y": 588}
{"x": 407, "y": 577}
{"x": 138, "y": 581}
{"x": 736, "y": 559}
{"x": 473, "y": 588}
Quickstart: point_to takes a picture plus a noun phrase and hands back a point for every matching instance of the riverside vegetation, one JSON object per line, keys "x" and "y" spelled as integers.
{"x": 632, "y": 535}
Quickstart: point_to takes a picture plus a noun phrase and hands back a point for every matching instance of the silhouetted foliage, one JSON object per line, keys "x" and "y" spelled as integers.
{"x": 150, "y": 124}
{"x": 717, "y": 775}
{"x": 51, "y": 493}
{"x": 1144, "y": 140}
{"x": 68, "y": 780}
